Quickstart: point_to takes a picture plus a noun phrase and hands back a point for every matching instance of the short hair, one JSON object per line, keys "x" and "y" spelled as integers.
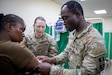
{"x": 9, "y": 18}
{"x": 39, "y": 18}
{"x": 73, "y": 6}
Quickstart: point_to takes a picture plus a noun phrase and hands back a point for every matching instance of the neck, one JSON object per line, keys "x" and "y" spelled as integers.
{"x": 38, "y": 36}
{"x": 81, "y": 26}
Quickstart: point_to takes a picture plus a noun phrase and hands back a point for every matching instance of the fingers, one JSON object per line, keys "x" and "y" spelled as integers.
{"x": 44, "y": 68}
{"x": 43, "y": 58}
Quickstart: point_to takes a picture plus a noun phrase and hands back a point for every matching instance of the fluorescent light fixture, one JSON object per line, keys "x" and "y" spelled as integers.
{"x": 100, "y": 11}
{"x": 82, "y": 0}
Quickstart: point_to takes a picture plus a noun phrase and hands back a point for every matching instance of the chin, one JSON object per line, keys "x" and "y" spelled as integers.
{"x": 39, "y": 35}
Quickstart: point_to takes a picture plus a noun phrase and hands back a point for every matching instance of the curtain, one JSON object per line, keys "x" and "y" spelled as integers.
{"x": 107, "y": 38}
{"x": 62, "y": 44}
{"x": 48, "y": 29}
{"x": 98, "y": 26}
{"x": 108, "y": 41}
{"x": 63, "y": 41}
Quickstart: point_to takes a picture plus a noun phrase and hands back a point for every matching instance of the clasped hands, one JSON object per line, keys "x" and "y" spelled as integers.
{"x": 45, "y": 64}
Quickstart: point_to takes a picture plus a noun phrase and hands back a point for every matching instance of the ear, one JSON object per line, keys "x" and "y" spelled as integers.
{"x": 33, "y": 25}
{"x": 8, "y": 27}
{"x": 78, "y": 13}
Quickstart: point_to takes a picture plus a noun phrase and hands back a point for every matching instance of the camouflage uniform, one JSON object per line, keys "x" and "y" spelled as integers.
{"x": 44, "y": 45}
{"x": 84, "y": 52}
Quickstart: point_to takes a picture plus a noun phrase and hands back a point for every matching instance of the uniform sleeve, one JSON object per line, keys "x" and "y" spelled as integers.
{"x": 63, "y": 56}
{"x": 21, "y": 55}
{"x": 92, "y": 62}
{"x": 53, "y": 48}
{"x": 56, "y": 70}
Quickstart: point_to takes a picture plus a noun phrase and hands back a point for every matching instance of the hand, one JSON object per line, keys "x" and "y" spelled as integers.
{"x": 41, "y": 57}
{"x": 47, "y": 59}
{"x": 44, "y": 68}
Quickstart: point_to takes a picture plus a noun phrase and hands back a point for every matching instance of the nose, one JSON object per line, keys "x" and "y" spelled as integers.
{"x": 41, "y": 29}
{"x": 65, "y": 23}
{"x": 23, "y": 34}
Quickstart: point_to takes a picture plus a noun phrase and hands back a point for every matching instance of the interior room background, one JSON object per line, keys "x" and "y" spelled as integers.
{"x": 50, "y": 10}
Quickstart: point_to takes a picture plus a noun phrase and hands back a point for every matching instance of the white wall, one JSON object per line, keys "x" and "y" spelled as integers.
{"x": 107, "y": 23}
{"x": 30, "y": 9}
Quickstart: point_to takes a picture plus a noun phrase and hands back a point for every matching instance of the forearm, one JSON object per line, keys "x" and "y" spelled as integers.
{"x": 89, "y": 67}
{"x": 56, "y": 70}
{"x": 61, "y": 58}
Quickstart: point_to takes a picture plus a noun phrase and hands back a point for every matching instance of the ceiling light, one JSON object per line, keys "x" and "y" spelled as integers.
{"x": 82, "y": 0}
{"x": 100, "y": 11}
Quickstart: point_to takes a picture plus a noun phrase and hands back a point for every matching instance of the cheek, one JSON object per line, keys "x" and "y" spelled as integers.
{"x": 20, "y": 36}
{"x": 36, "y": 29}
{"x": 17, "y": 36}
{"x": 19, "y": 33}
{"x": 43, "y": 29}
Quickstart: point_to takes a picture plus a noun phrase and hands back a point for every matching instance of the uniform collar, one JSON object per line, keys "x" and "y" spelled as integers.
{"x": 82, "y": 33}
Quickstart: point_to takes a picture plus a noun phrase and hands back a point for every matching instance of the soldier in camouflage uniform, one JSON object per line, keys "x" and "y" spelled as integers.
{"x": 41, "y": 43}
{"x": 85, "y": 49}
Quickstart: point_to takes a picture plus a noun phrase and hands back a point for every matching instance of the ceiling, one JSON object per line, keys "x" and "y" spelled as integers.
{"x": 90, "y": 5}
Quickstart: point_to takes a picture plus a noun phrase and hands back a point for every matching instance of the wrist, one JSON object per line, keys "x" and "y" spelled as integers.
{"x": 53, "y": 60}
